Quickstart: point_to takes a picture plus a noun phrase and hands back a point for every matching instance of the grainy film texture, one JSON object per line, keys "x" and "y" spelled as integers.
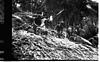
{"x": 55, "y": 30}
{"x": 1, "y": 11}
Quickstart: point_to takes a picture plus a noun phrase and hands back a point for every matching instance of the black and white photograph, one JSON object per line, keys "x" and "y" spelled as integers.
{"x": 54, "y": 30}
{"x": 1, "y": 11}
{"x": 1, "y": 25}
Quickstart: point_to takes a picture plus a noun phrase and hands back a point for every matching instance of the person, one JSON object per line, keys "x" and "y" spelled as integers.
{"x": 59, "y": 28}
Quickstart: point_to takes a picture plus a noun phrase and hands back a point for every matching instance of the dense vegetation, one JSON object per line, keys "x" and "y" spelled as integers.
{"x": 55, "y": 29}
